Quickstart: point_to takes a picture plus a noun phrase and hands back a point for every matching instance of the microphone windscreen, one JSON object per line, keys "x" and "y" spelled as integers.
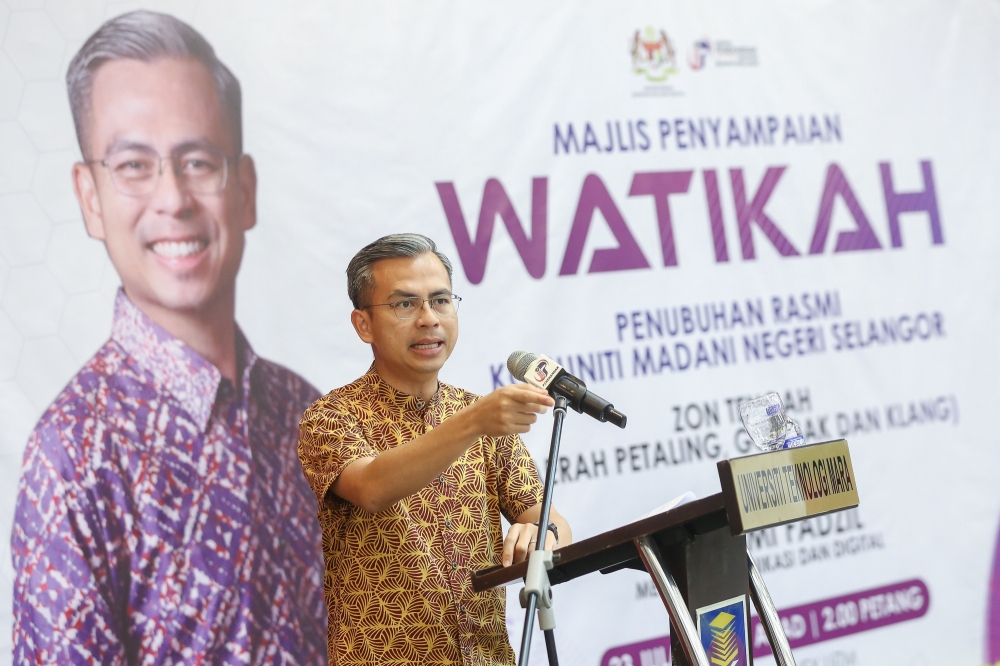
{"x": 518, "y": 362}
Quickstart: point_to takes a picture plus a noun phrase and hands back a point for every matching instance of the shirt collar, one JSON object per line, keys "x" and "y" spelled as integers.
{"x": 175, "y": 367}
{"x": 397, "y": 397}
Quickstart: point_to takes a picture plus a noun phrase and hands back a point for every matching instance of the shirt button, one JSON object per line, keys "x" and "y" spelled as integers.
{"x": 441, "y": 480}
{"x": 454, "y": 565}
{"x": 447, "y": 523}
{"x": 466, "y": 650}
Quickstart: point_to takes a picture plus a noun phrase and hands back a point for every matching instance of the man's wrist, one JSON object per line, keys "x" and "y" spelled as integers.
{"x": 466, "y": 423}
{"x": 552, "y": 528}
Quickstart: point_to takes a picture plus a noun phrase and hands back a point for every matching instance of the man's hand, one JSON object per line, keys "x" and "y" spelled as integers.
{"x": 510, "y": 410}
{"x": 523, "y": 535}
{"x": 520, "y": 542}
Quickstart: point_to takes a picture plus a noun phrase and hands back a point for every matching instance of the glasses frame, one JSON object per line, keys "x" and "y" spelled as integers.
{"x": 226, "y": 159}
{"x": 455, "y": 299}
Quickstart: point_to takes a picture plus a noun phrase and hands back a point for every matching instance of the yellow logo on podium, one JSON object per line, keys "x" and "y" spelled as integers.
{"x": 722, "y": 628}
{"x": 725, "y": 648}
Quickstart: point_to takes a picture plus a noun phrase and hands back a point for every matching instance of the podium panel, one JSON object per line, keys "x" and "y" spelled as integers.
{"x": 711, "y": 570}
{"x": 691, "y": 545}
{"x": 696, "y": 553}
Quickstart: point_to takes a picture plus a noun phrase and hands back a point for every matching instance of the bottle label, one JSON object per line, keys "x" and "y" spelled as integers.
{"x": 792, "y": 442}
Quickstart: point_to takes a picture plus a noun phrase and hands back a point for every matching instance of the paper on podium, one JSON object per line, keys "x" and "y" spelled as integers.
{"x": 673, "y": 504}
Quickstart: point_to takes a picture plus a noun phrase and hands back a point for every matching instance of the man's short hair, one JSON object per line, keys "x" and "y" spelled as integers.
{"x": 146, "y": 36}
{"x": 360, "y": 273}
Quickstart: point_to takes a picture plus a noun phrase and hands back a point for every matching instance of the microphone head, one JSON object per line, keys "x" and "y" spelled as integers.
{"x": 518, "y": 362}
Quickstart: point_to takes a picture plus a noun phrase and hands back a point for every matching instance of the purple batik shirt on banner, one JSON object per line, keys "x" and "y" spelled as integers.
{"x": 162, "y": 515}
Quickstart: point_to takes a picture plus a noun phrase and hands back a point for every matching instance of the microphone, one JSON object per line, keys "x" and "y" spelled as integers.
{"x": 543, "y": 372}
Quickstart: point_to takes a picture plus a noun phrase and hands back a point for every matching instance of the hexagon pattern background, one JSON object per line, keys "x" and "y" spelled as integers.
{"x": 57, "y": 285}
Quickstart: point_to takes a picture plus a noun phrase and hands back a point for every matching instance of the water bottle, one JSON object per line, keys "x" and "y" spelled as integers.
{"x": 765, "y": 421}
{"x": 768, "y": 425}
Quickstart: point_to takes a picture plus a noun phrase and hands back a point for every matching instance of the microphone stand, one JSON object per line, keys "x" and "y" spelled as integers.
{"x": 537, "y": 594}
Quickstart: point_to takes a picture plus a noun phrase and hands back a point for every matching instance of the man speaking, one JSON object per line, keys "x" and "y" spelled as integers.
{"x": 412, "y": 474}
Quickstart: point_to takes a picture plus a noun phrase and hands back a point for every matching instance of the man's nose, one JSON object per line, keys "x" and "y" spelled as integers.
{"x": 428, "y": 316}
{"x": 171, "y": 195}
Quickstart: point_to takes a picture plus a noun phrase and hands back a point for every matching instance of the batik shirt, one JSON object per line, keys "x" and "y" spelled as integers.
{"x": 398, "y": 582}
{"x": 162, "y": 516}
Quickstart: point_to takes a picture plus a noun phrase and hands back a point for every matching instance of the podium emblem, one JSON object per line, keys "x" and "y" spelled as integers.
{"x": 723, "y": 631}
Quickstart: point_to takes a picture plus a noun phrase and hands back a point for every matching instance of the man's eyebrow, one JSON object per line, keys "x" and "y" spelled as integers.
{"x": 402, "y": 294}
{"x": 119, "y": 145}
{"x": 195, "y": 144}
{"x": 399, "y": 293}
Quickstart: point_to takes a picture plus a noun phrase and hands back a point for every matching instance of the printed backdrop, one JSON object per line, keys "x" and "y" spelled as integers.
{"x": 687, "y": 204}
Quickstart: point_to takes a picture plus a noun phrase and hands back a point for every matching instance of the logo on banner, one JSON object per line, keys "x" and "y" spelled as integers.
{"x": 653, "y": 55}
{"x": 731, "y": 54}
{"x": 723, "y": 631}
{"x": 724, "y": 53}
{"x": 698, "y": 54}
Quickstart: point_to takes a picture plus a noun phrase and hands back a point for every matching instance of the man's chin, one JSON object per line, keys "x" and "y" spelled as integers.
{"x": 186, "y": 299}
{"x": 432, "y": 364}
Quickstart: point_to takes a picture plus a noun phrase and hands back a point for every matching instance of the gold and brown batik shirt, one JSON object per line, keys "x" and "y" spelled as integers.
{"x": 398, "y": 583}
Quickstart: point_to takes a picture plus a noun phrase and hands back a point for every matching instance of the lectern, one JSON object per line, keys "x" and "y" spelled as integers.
{"x": 697, "y": 555}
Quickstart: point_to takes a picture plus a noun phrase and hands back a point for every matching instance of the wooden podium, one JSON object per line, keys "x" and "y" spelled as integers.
{"x": 697, "y": 556}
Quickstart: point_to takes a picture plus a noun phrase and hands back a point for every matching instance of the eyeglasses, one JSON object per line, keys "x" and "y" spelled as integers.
{"x": 136, "y": 172}
{"x": 445, "y": 305}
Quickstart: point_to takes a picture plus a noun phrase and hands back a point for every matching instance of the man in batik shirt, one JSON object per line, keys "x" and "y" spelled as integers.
{"x": 162, "y": 515}
{"x": 411, "y": 476}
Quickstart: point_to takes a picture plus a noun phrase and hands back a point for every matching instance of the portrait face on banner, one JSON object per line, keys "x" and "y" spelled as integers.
{"x": 163, "y": 185}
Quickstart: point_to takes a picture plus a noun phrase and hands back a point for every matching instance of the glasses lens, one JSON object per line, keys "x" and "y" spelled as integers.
{"x": 445, "y": 306}
{"x": 133, "y": 171}
{"x": 202, "y": 171}
{"x": 408, "y": 308}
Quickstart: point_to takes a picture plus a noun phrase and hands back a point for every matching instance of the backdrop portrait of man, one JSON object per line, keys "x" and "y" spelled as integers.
{"x": 411, "y": 476}
{"x": 162, "y": 515}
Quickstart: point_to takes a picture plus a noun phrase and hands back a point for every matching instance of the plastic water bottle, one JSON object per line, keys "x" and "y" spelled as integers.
{"x": 765, "y": 421}
{"x": 768, "y": 425}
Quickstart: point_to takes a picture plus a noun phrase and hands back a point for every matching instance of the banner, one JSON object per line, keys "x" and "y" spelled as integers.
{"x": 685, "y": 205}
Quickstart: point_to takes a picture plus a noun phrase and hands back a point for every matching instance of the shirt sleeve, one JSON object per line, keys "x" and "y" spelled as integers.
{"x": 63, "y": 587}
{"x": 519, "y": 487}
{"x": 329, "y": 441}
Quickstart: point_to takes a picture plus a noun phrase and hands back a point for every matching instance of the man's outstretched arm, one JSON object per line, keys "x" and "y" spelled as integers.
{"x": 376, "y": 483}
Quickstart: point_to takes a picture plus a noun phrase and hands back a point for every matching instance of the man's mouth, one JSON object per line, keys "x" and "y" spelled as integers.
{"x": 429, "y": 345}
{"x": 178, "y": 249}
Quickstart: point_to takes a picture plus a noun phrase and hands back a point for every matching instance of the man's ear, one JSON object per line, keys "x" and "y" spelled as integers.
{"x": 362, "y": 321}
{"x": 246, "y": 181}
{"x": 90, "y": 202}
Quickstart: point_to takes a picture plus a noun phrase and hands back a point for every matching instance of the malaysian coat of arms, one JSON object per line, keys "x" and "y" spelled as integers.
{"x": 653, "y": 55}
